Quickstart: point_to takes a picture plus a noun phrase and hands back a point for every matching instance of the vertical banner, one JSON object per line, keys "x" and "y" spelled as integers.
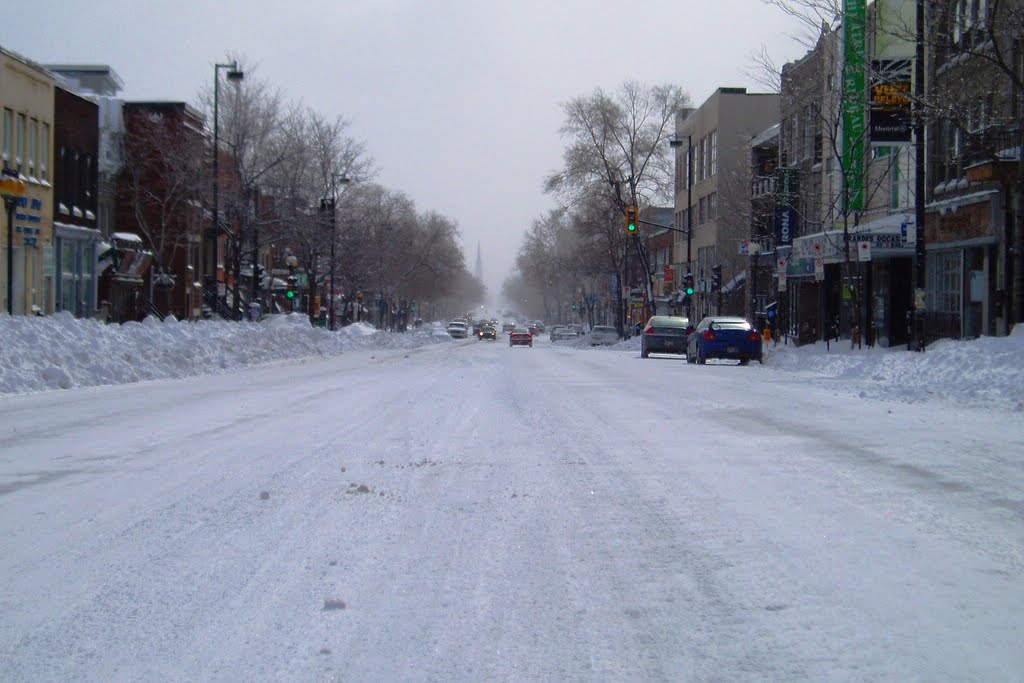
{"x": 785, "y": 205}
{"x": 854, "y": 93}
{"x": 890, "y": 101}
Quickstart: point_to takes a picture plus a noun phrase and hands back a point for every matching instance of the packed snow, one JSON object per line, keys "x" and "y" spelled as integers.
{"x": 271, "y": 501}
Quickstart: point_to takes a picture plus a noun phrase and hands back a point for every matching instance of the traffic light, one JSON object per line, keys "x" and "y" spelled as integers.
{"x": 632, "y": 224}
{"x": 688, "y": 285}
{"x": 289, "y": 293}
{"x": 716, "y": 278}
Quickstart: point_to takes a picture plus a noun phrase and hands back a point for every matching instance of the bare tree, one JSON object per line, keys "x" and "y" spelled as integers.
{"x": 617, "y": 151}
{"x": 162, "y": 171}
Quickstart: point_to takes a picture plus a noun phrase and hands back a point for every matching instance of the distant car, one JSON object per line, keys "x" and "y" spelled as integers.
{"x": 554, "y": 331}
{"x": 724, "y": 337}
{"x": 458, "y": 329}
{"x": 508, "y": 327}
{"x": 487, "y": 331}
{"x": 603, "y": 335}
{"x": 520, "y": 336}
{"x": 539, "y": 324}
{"x": 563, "y": 333}
{"x": 665, "y": 334}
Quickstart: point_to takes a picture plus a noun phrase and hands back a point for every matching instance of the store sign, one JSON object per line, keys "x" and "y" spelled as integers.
{"x": 854, "y": 93}
{"x": 786, "y": 187}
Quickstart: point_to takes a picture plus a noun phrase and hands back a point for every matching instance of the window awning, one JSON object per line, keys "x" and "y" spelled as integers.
{"x": 887, "y": 235}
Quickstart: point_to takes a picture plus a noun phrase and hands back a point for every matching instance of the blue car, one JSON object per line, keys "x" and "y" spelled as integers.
{"x": 724, "y": 337}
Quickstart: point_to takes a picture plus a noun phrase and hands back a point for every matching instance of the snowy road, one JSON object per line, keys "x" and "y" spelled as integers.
{"x": 473, "y": 512}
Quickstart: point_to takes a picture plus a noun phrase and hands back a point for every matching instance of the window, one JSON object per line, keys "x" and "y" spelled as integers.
{"x": 701, "y": 211}
{"x": 8, "y": 116}
{"x": 944, "y": 282}
{"x": 712, "y": 206}
{"x": 19, "y": 152}
{"x": 44, "y": 152}
{"x": 33, "y": 135}
{"x": 714, "y": 152}
{"x": 705, "y": 157}
{"x": 698, "y": 161}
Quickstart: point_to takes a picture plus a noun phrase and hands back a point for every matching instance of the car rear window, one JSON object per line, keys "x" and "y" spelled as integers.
{"x": 730, "y": 325}
{"x": 669, "y": 331}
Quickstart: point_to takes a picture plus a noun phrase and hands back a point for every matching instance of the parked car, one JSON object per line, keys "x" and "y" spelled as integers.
{"x": 457, "y": 329}
{"x": 603, "y": 335}
{"x": 665, "y": 334}
{"x": 724, "y": 337}
{"x": 520, "y": 336}
{"x": 487, "y": 331}
{"x": 563, "y": 333}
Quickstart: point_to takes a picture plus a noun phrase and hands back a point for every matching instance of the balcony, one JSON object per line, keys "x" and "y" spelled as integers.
{"x": 991, "y": 154}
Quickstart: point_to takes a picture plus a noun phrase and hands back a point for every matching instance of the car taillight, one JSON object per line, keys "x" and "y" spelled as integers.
{"x": 649, "y": 330}
{"x": 755, "y": 336}
{"x": 709, "y": 335}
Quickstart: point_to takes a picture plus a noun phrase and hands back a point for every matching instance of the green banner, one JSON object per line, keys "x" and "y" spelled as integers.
{"x": 854, "y": 95}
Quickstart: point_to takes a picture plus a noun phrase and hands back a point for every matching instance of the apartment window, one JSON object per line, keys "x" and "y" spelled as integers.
{"x": 698, "y": 161}
{"x": 44, "y": 152}
{"x": 701, "y": 211}
{"x": 8, "y": 122}
{"x": 705, "y": 158}
{"x": 19, "y": 151}
{"x": 33, "y": 135}
{"x": 714, "y": 152}
{"x": 712, "y": 206}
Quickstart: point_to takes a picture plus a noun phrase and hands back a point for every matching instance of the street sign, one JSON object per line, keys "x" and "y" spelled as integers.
{"x": 863, "y": 250}
{"x": 783, "y": 278}
{"x": 744, "y": 248}
{"x": 670, "y": 275}
{"x": 819, "y": 269}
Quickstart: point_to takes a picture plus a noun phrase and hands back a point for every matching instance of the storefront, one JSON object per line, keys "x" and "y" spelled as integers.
{"x": 963, "y": 265}
{"x": 864, "y": 281}
{"x": 76, "y": 260}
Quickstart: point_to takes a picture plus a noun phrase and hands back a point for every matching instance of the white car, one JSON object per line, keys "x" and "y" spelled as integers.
{"x": 603, "y": 335}
{"x": 458, "y": 329}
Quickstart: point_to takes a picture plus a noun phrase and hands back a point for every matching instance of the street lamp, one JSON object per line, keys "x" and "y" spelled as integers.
{"x": 234, "y": 74}
{"x": 344, "y": 180}
{"x": 677, "y": 142}
{"x": 12, "y": 187}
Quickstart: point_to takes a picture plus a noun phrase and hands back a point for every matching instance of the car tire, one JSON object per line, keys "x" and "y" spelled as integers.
{"x": 744, "y": 361}
{"x": 644, "y": 354}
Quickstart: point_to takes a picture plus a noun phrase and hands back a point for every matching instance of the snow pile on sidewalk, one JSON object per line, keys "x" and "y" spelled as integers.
{"x": 985, "y": 371}
{"x": 64, "y": 352}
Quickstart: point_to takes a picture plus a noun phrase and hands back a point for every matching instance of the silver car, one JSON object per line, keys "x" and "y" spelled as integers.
{"x": 603, "y": 335}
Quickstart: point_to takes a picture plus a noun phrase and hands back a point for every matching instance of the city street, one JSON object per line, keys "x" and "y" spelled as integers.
{"x": 469, "y": 511}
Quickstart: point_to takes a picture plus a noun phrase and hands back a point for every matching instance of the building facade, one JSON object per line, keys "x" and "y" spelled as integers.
{"x": 713, "y": 192}
{"x": 76, "y": 237}
{"x": 27, "y": 105}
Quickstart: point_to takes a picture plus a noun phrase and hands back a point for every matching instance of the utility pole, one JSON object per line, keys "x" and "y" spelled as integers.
{"x": 917, "y": 340}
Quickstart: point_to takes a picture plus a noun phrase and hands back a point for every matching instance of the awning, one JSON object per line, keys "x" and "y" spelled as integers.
{"x": 887, "y": 235}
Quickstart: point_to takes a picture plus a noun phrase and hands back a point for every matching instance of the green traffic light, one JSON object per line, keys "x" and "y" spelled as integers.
{"x": 290, "y": 294}
{"x": 689, "y": 291}
{"x": 631, "y": 227}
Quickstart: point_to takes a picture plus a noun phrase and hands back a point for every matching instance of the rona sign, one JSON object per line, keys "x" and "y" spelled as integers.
{"x": 785, "y": 205}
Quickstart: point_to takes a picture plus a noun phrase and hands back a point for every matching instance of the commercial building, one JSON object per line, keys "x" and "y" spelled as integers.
{"x": 26, "y": 148}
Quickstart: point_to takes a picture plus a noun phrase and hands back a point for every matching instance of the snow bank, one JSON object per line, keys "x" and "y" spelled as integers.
{"x": 64, "y": 352}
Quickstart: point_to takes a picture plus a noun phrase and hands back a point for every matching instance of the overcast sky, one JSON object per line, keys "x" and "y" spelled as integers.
{"x": 457, "y": 101}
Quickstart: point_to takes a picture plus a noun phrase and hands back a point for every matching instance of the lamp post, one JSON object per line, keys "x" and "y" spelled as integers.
{"x": 12, "y": 187}
{"x": 689, "y": 211}
{"x": 234, "y": 74}
{"x": 340, "y": 178}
